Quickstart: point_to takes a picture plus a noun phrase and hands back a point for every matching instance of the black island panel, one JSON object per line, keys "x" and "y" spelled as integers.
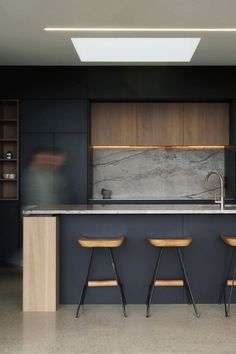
{"x": 205, "y": 259}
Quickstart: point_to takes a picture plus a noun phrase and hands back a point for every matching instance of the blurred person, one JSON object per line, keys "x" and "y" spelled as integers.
{"x": 43, "y": 184}
{"x": 43, "y": 181}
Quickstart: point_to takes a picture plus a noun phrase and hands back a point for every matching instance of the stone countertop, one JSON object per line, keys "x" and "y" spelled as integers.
{"x": 123, "y": 209}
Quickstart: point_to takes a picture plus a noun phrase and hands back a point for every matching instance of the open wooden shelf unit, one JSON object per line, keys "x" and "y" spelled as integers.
{"x": 9, "y": 142}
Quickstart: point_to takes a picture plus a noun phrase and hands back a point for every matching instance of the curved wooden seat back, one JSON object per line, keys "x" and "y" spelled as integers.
{"x": 229, "y": 240}
{"x": 170, "y": 242}
{"x": 93, "y": 242}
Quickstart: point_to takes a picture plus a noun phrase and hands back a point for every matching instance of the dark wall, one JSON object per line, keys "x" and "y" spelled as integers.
{"x": 54, "y": 108}
{"x": 116, "y": 83}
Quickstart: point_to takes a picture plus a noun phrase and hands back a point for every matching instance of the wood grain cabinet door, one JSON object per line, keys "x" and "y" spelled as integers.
{"x": 113, "y": 124}
{"x": 168, "y": 124}
{"x": 206, "y": 124}
{"x": 160, "y": 123}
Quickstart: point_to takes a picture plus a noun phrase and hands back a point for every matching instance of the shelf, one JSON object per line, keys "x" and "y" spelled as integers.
{"x": 8, "y": 199}
{"x": 8, "y": 120}
{"x": 8, "y": 160}
{"x": 8, "y": 180}
{"x": 160, "y": 147}
{"x": 9, "y": 141}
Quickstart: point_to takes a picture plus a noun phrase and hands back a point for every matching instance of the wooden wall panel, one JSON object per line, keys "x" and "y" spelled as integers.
{"x": 40, "y": 262}
{"x": 160, "y": 123}
{"x": 206, "y": 124}
{"x": 113, "y": 124}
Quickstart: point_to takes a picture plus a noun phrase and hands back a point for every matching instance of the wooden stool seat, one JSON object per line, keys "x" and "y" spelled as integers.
{"x": 170, "y": 242}
{"x": 93, "y": 242}
{"x": 229, "y": 240}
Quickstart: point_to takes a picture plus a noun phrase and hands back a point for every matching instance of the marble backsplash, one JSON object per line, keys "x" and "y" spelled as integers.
{"x": 156, "y": 174}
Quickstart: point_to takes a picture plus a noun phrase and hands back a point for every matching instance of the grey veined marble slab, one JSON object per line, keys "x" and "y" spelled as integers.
{"x": 156, "y": 174}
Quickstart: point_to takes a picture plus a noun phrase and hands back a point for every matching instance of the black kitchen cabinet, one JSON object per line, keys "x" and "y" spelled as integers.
{"x": 30, "y": 142}
{"x": 44, "y": 116}
{"x": 9, "y": 225}
{"x": 74, "y": 145}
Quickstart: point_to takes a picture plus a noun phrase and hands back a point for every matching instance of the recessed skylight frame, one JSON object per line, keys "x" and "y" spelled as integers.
{"x": 135, "y": 50}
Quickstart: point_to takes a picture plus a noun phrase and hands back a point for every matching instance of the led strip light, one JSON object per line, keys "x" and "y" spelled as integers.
{"x": 123, "y": 29}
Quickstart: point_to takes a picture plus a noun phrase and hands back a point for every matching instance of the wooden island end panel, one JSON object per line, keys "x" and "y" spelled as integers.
{"x": 41, "y": 263}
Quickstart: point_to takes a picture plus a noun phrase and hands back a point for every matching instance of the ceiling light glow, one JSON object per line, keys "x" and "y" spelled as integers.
{"x": 135, "y": 49}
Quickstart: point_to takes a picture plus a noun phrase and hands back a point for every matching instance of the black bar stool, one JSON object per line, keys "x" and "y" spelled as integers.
{"x": 176, "y": 243}
{"x": 109, "y": 243}
{"x": 230, "y": 241}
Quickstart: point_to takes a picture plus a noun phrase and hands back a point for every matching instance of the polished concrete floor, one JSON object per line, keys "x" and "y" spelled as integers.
{"x": 101, "y": 329}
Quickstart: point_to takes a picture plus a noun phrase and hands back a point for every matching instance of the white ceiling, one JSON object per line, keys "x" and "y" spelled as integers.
{"x": 23, "y": 40}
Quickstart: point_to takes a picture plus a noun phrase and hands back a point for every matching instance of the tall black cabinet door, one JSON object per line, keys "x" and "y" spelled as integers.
{"x": 74, "y": 145}
{"x": 29, "y": 142}
{"x": 9, "y": 224}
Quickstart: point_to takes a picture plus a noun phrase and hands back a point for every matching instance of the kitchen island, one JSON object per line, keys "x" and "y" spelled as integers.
{"x": 55, "y": 266}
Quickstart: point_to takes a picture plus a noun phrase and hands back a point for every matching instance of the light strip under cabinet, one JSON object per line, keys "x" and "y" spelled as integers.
{"x": 160, "y": 147}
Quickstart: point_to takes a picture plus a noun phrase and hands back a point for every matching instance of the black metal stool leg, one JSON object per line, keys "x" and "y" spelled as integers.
{"x": 152, "y": 285}
{"x": 221, "y": 294}
{"x": 122, "y": 296}
{"x": 231, "y": 292}
{"x": 187, "y": 282}
{"x": 81, "y": 300}
{"x": 224, "y": 295}
{"x": 226, "y": 276}
{"x": 188, "y": 295}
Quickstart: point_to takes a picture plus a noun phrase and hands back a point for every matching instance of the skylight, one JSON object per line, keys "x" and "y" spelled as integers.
{"x": 135, "y": 49}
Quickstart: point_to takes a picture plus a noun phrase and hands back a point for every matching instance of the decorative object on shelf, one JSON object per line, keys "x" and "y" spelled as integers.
{"x": 6, "y": 175}
{"x": 9, "y": 155}
{"x": 9, "y": 176}
{"x": 12, "y": 175}
{"x": 106, "y": 193}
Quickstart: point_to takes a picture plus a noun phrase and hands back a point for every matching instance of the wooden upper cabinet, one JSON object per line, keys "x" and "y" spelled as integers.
{"x": 206, "y": 124}
{"x": 113, "y": 124}
{"x": 160, "y": 123}
{"x": 200, "y": 124}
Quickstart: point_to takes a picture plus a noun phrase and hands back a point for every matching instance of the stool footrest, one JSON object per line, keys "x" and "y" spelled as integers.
{"x": 178, "y": 282}
{"x": 230, "y": 282}
{"x": 100, "y": 283}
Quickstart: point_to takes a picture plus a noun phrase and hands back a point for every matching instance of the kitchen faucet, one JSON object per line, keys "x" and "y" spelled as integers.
{"x": 221, "y": 201}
